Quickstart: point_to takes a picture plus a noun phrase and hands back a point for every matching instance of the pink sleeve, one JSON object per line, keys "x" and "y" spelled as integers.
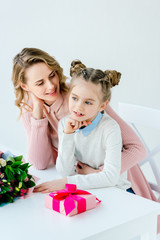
{"x": 39, "y": 148}
{"x": 133, "y": 148}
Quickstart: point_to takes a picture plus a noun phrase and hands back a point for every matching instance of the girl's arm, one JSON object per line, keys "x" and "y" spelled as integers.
{"x": 40, "y": 151}
{"x": 65, "y": 163}
{"x": 133, "y": 148}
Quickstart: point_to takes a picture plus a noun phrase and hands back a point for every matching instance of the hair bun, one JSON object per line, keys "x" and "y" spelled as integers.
{"x": 76, "y": 65}
{"x": 113, "y": 77}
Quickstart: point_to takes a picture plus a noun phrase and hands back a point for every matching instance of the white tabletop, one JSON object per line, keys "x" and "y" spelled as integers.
{"x": 118, "y": 212}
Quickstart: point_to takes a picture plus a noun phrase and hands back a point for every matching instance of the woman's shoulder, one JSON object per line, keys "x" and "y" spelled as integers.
{"x": 63, "y": 120}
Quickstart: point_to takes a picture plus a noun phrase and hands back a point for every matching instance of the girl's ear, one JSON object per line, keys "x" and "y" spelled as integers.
{"x": 103, "y": 105}
{"x": 24, "y": 87}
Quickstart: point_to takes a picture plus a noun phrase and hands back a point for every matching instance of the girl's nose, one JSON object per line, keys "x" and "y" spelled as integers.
{"x": 79, "y": 105}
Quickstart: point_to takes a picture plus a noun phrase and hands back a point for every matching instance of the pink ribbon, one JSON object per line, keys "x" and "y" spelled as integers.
{"x": 69, "y": 194}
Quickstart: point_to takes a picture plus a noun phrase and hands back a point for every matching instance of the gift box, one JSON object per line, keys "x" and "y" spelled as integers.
{"x": 71, "y": 201}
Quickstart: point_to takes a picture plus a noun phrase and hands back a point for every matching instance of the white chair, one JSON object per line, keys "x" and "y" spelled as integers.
{"x": 148, "y": 117}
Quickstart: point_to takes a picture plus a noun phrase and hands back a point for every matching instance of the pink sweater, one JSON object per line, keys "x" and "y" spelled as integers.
{"x": 42, "y": 138}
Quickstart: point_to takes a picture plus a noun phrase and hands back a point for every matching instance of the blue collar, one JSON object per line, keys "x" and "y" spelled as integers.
{"x": 91, "y": 126}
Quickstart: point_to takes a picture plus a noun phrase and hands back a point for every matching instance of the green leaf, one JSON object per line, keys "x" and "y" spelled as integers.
{"x": 11, "y": 169}
{"x": 23, "y": 176}
{"x": 23, "y": 185}
{"x": 9, "y": 173}
{"x": 16, "y": 164}
{"x": 10, "y": 159}
{"x": 29, "y": 176}
{"x": 25, "y": 166}
{"x": 18, "y": 158}
{"x": 18, "y": 171}
{"x": 30, "y": 184}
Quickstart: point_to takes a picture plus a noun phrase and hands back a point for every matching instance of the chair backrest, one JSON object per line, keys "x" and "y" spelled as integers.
{"x": 148, "y": 117}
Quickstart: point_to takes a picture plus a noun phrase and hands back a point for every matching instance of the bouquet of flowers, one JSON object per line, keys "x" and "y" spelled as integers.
{"x": 15, "y": 180}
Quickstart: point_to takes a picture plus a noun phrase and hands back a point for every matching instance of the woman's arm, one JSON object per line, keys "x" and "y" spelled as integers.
{"x": 39, "y": 148}
{"x": 133, "y": 148}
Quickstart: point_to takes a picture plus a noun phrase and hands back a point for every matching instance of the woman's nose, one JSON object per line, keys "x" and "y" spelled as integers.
{"x": 50, "y": 84}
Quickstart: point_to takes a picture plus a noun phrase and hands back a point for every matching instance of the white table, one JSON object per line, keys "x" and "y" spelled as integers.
{"x": 120, "y": 216}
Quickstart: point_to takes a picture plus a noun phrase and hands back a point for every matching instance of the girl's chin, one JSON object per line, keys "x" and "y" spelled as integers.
{"x": 79, "y": 119}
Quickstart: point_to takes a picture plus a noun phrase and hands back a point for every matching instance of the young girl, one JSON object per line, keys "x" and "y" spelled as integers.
{"x": 88, "y": 134}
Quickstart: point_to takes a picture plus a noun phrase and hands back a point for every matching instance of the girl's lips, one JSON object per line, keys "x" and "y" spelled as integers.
{"x": 78, "y": 114}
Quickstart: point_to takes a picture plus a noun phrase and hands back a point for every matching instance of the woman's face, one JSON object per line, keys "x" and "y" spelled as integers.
{"x": 43, "y": 82}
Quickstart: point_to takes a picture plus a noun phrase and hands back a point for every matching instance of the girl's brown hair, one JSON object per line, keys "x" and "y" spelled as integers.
{"x": 107, "y": 79}
{"x": 25, "y": 59}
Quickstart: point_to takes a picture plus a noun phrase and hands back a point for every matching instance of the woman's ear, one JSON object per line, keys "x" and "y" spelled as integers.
{"x": 103, "y": 105}
{"x": 24, "y": 87}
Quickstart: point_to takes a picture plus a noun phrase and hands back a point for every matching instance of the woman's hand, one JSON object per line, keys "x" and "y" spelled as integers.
{"x": 85, "y": 169}
{"x": 37, "y": 106}
{"x": 72, "y": 125}
{"x": 51, "y": 186}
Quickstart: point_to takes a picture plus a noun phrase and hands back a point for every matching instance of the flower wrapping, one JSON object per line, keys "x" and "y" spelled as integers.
{"x": 71, "y": 201}
{"x": 15, "y": 181}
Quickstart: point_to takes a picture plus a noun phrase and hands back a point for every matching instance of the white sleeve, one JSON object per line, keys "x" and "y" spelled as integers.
{"x": 65, "y": 163}
{"x": 112, "y": 164}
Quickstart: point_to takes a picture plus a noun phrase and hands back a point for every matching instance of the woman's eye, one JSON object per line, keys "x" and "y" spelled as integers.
{"x": 52, "y": 75}
{"x": 40, "y": 83}
{"x": 88, "y": 103}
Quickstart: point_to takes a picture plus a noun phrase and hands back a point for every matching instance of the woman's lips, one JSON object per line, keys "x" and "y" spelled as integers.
{"x": 78, "y": 114}
{"x": 52, "y": 93}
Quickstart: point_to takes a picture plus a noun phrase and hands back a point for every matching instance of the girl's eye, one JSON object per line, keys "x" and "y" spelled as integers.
{"x": 74, "y": 98}
{"x": 88, "y": 103}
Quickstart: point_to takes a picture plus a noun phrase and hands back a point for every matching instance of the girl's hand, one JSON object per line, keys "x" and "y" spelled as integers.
{"x": 72, "y": 125}
{"x": 37, "y": 106}
{"x": 51, "y": 186}
{"x": 85, "y": 169}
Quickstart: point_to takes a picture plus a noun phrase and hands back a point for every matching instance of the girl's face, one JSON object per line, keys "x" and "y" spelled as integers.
{"x": 85, "y": 100}
{"x": 43, "y": 82}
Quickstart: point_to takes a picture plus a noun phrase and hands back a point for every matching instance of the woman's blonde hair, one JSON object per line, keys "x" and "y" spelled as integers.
{"x": 25, "y": 59}
{"x": 107, "y": 79}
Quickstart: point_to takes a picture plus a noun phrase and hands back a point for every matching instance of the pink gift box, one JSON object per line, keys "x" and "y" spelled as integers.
{"x": 71, "y": 201}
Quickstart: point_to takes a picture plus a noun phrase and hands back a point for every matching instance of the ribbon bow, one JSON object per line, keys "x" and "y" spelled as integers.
{"x": 69, "y": 194}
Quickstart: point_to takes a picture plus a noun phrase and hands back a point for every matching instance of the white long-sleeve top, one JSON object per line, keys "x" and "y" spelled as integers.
{"x": 103, "y": 145}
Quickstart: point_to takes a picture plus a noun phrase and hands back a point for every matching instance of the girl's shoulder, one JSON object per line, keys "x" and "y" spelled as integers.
{"x": 109, "y": 123}
{"x": 110, "y": 129}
